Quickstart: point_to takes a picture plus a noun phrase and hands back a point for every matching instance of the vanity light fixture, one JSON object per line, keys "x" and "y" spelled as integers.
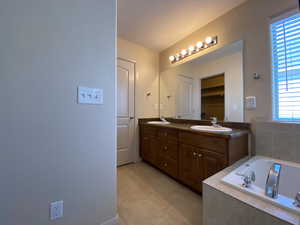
{"x": 183, "y": 52}
{"x": 172, "y": 58}
{"x": 199, "y": 45}
{"x": 193, "y": 49}
{"x": 208, "y": 40}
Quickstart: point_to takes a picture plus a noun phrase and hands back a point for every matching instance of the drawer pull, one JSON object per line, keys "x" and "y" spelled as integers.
{"x": 194, "y": 153}
{"x": 165, "y": 165}
{"x": 200, "y": 155}
{"x": 166, "y": 148}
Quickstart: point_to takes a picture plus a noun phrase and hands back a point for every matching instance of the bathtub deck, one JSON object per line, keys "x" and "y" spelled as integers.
{"x": 215, "y": 183}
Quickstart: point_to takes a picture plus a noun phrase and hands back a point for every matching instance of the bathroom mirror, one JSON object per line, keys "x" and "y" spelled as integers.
{"x": 208, "y": 86}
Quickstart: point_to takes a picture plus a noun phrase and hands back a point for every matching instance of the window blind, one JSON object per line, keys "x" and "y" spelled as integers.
{"x": 285, "y": 39}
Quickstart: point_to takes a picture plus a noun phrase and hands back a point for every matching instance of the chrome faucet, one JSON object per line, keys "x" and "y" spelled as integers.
{"x": 163, "y": 119}
{"x": 214, "y": 122}
{"x": 248, "y": 178}
{"x": 297, "y": 200}
{"x": 272, "y": 183}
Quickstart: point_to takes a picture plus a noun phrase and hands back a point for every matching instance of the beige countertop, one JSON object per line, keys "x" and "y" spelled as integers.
{"x": 187, "y": 127}
{"x": 216, "y": 183}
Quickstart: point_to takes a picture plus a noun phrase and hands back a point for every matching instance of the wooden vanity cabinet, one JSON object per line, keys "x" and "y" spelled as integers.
{"x": 191, "y": 170}
{"x": 197, "y": 164}
{"x": 149, "y": 145}
{"x": 188, "y": 156}
{"x": 212, "y": 163}
{"x": 167, "y": 154}
{"x": 160, "y": 148}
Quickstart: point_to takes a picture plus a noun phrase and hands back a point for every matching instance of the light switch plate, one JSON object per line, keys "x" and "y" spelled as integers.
{"x": 251, "y": 102}
{"x": 87, "y": 95}
{"x": 56, "y": 210}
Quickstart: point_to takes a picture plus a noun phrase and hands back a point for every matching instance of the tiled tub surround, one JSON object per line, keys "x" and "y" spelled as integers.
{"x": 226, "y": 205}
{"x": 276, "y": 140}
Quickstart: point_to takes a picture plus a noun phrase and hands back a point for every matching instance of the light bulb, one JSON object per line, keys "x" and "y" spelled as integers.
{"x": 208, "y": 40}
{"x": 191, "y": 48}
{"x": 172, "y": 58}
{"x": 200, "y": 44}
{"x": 183, "y": 52}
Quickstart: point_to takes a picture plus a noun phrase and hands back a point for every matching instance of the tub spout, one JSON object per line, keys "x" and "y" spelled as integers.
{"x": 272, "y": 183}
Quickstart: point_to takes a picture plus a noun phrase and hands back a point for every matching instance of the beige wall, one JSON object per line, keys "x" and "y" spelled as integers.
{"x": 248, "y": 22}
{"x": 51, "y": 147}
{"x": 146, "y": 80}
{"x": 146, "y": 77}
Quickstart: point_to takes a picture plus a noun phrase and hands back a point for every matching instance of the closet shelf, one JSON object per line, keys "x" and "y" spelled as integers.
{"x": 211, "y": 94}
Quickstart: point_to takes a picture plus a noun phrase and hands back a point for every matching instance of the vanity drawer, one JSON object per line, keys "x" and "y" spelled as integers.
{"x": 168, "y": 134}
{"x": 149, "y": 131}
{"x": 169, "y": 149}
{"x": 169, "y": 166}
{"x": 212, "y": 143}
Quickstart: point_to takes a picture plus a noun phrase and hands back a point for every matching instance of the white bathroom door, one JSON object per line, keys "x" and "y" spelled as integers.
{"x": 125, "y": 112}
{"x": 184, "y": 98}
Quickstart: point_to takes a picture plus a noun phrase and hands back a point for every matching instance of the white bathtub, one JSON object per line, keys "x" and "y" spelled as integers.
{"x": 289, "y": 183}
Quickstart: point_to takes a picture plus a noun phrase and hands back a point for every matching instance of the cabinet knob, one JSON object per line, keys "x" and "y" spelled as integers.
{"x": 200, "y": 155}
{"x": 194, "y": 153}
{"x": 165, "y": 165}
{"x": 166, "y": 147}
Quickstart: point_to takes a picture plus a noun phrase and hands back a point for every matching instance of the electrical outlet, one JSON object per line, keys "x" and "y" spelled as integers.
{"x": 56, "y": 210}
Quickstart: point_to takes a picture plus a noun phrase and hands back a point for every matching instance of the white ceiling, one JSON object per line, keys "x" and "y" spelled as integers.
{"x": 158, "y": 24}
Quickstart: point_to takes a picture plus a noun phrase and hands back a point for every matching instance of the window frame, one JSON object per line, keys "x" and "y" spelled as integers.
{"x": 274, "y": 111}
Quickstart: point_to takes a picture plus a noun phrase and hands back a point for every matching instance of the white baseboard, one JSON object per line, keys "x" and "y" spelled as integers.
{"x": 112, "y": 221}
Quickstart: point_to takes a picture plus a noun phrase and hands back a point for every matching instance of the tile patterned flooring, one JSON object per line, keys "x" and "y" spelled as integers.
{"x": 148, "y": 197}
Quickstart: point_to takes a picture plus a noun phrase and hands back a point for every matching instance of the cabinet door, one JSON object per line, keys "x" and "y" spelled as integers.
{"x": 212, "y": 163}
{"x": 149, "y": 148}
{"x": 170, "y": 150}
{"x": 199, "y": 172}
{"x": 187, "y": 164}
{"x": 145, "y": 147}
{"x": 153, "y": 149}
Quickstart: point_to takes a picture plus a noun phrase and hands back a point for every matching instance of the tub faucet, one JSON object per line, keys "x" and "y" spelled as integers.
{"x": 248, "y": 178}
{"x": 272, "y": 183}
{"x": 297, "y": 200}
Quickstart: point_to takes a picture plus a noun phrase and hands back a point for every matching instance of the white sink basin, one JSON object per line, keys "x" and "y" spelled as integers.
{"x": 211, "y": 128}
{"x": 159, "y": 122}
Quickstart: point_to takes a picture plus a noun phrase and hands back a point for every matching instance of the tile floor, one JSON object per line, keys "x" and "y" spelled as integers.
{"x": 148, "y": 197}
